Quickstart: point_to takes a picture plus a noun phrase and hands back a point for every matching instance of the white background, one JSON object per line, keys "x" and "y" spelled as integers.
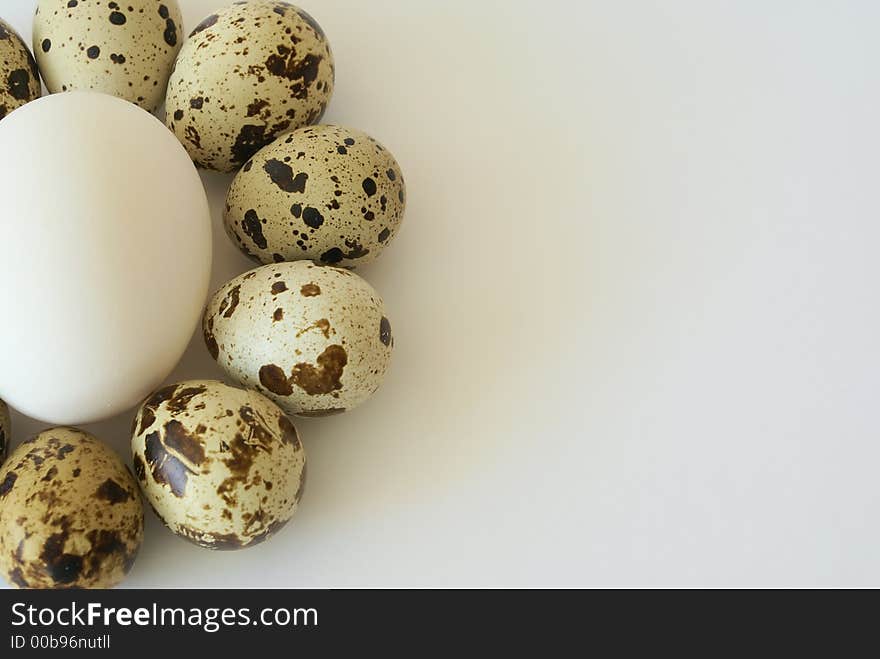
{"x": 634, "y": 300}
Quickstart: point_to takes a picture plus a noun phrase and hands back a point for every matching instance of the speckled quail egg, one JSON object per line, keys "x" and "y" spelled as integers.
{"x": 70, "y": 513}
{"x": 124, "y": 48}
{"x": 19, "y": 78}
{"x": 313, "y": 338}
{"x": 324, "y": 193}
{"x": 5, "y": 431}
{"x": 223, "y": 467}
{"x": 247, "y": 74}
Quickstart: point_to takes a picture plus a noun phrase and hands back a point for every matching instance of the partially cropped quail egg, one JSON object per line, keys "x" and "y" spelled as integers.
{"x": 19, "y": 78}
{"x": 70, "y": 513}
{"x": 247, "y": 74}
{"x": 124, "y": 48}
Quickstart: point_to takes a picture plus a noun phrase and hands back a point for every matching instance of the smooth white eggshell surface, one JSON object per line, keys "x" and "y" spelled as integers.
{"x": 105, "y": 255}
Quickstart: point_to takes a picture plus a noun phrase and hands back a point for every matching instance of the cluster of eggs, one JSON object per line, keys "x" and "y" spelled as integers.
{"x": 222, "y": 465}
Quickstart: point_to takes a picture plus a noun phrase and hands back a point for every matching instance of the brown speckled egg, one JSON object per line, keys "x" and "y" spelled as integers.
{"x": 247, "y": 74}
{"x": 19, "y": 78}
{"x": 70, "y": 513}
{"x": 124, "y": 48}
{"x": 315, "y": 339}
{"x": 324, "y": 193}
{"x": 5, "y": 431}
{"x": 222, "y": 467}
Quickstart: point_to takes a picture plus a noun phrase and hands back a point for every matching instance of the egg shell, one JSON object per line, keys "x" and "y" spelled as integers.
{"x": 323, "y": 193}
{"x": 5, "y": 431}
{"x": 124, "y": 48}
{"x": 315, "y": 339}
{"x": 222, "y": 467}
{"x": 19, "y": 78}
{"x": 71, "y": 515}
{"x": 105, "y": 256}
{"x": 247, "y": 74}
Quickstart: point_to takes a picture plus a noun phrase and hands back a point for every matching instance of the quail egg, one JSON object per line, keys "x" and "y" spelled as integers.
{"x": 70, "y": 513}
{"x": 5, "y": 431}
{"x": 124, "y": 48}
{"x": 223, "y": 467}
{"x": 315, "y": 339}
{"x": 324, "y": 193}
{"x": 19, "y": 78}
{"x": 247, "y": 74}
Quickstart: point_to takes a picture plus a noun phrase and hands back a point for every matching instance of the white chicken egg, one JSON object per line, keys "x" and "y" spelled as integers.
{"x": 105, "y": 258}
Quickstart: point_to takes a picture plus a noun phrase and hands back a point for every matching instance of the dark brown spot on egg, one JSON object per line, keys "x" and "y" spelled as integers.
{"x": 385, "y": 331}
{"x": 275, "y": 380}
{"x": 170, "y": 34}
{"x": 282, "y": 176}
{"x": 230, "y": 302}
{"x": 7, "y": 483}
{"x": 333, "y": 255}
{"x": 52, "y": 473}
{"x": 182, "y": 397}
{"x": 369, "y": 186}
{"x": 336, "y": 255}
{"x": 310, "y": 290}
{"x": 278, "y": 287}
{"x": 383, "y": 235}
{"x": 250, "y": 139}
{"x": 255, "y": 108}
{"x": 210, "y": 340}
{"x": 139, "y": 469}
{"x": 285, "y": 64}
{"x": 180, "y": 440}
{"x": 148, "y": 417}
{"x": 112, "y": 492}
{"x": 278, "y": 315}
{"x": 61, "y": 567}
{"x": 117, "y": 18}
{"x": 192, "y": 136}
{"x": 106, "y": 546}
{"x": 19, "y": 84}
{"x": 323, "y": 378}
{"x": 93, "y": 52}
{"x": 46, "y": 45}
{"x": 312, "y": 217}
{"x": 160, "y": 396}
{"x": 243, "y": 451}
{"x": 288, "y": 434}
{"x": 256, "y": 425}
{"x": 252, "y": 226}
{"x": 165, "y": 468}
